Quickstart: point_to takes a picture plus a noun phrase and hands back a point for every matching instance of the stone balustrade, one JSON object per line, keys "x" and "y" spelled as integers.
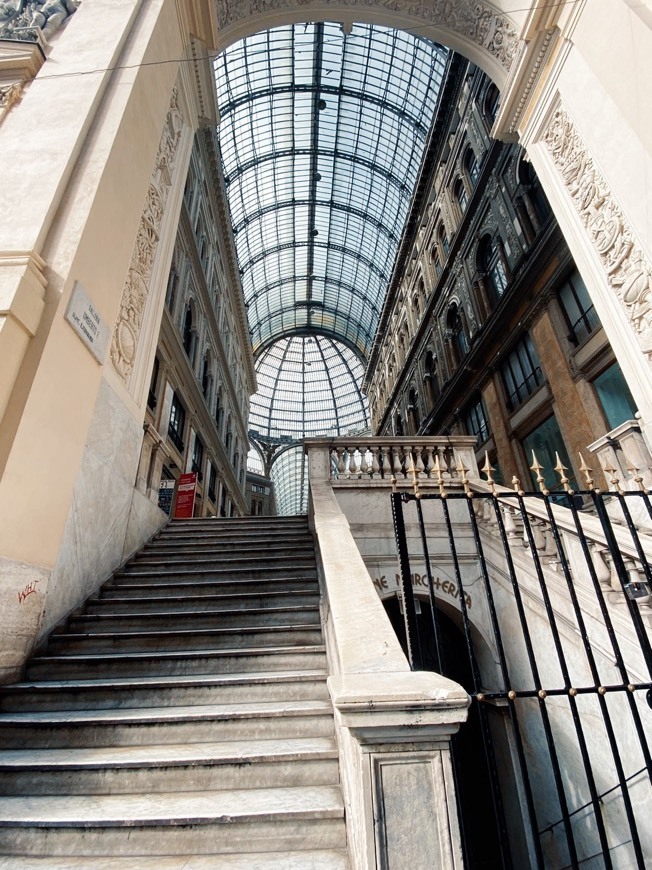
{"x": 440, "y": 461}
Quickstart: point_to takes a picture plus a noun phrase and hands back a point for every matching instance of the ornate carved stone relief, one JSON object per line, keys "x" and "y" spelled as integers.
{"x": 627, "y": 267}
{"x": 25, "y": 20}
{"x": 134, "y": 295}
{"x": 474, "y": 20}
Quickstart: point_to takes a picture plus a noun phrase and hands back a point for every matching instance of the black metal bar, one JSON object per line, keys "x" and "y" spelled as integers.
{"x": 508, "y": 694}
{"x": 554, "y": 760}
{"x": 409, "y": 610}
{"x": 431, "y": 590}
{"x": 499, "y": 810}
{"x": 561, "y": 658}
{"x": 619, "y": 565}
{"x": 606, "y": 716}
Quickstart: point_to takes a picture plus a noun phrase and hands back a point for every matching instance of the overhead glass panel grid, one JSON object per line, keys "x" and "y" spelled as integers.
{"x": 322, "y": 135}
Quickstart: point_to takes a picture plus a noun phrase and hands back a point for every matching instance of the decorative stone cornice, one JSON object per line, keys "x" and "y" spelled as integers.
{"x": 472, "y": 20}
{"x": 627, "y": 267}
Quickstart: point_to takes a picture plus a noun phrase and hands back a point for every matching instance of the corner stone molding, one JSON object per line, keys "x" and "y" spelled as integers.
{"x": 472, "y": 20}
{"x": 136, "y": 289}
{"x": 628, "y": 269}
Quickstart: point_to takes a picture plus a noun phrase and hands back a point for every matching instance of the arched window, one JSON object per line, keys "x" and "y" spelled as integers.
{"x": 413, "y": 411}
{"x": 534, "y": 199}
{"x": 206, "y": 377}
{"x": 430, "y": 380}
{"x": 442, "y": 239}
{"x": 460, "y": 194}
{"x": 490, "y": 104}
{"x": 492, "y": 265}
{"x": 471, "y": 166}
{"x": 171, "y": 291}
{"x": 398, "y": 425}
{"x": 188, "y": 332}
{"x": 456, "y": 333}
{"x": 435, "y": 260}
{"x": 219, "y": 410}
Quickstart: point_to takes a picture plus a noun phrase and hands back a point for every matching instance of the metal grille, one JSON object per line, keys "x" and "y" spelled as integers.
{"x": 553, "y": 594}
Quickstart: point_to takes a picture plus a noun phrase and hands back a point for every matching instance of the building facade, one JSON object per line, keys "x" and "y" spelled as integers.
{"x": 202, "y": 377}
{"x": 489, "y": 329}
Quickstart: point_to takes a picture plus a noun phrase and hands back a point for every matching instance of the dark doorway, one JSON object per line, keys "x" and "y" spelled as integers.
{"x": 480, "y": 838}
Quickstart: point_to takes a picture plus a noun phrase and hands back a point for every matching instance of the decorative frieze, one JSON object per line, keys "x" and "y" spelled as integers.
{"x": 471, "y": 20}
{"x": 627, "y": 267}
{"x": 24, "y": 21}
{"x": 134, "y": 296}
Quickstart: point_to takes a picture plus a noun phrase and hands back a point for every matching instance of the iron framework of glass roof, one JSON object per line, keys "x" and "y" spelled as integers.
{"x": 321, "y": 133}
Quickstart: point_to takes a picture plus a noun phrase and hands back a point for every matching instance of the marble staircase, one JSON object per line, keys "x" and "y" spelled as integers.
{"x": 180, "y": 718}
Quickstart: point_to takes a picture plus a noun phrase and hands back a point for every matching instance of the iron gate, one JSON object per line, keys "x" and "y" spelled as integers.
{"x": 564, "y": 614}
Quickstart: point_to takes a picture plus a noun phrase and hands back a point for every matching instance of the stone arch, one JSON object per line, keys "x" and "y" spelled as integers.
{"x": 485, "y": 34}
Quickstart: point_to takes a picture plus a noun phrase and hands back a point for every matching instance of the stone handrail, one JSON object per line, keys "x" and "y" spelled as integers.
{"x": 384, "y": 459}
{"x": 386, "y": 714}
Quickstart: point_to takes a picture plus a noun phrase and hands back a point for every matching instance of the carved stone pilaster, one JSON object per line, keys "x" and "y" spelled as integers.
{"x": 627, "y": 267}
{"x": 134, "y": 296}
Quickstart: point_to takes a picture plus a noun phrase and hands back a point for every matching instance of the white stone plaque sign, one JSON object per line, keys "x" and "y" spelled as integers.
{"x": 84, "y": 318}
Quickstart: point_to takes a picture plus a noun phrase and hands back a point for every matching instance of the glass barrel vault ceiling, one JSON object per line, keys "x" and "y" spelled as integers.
{"x": 321, "y": 134}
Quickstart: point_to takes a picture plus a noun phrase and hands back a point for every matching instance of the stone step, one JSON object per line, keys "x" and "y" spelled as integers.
{"x": 226, "y": 554}
{"x": 221, "y": 538}
{"x": 214, "y": 571}
{"x": 243, "y": 820}
{"x": 192, "y": 724}
{"x": 254, "y": 546}
{"x": 202, "y": 601}
{"x": 108, "y": 665}
{"x": 178, "y": 767}
{"x": 332, "y": 859}
{"x": 185, "y": 639}
{"x": 109, "y": 620}
{"x": 131, "y": 692}
{"x": 277, "y": 523}
{"x": 159, "y": 586}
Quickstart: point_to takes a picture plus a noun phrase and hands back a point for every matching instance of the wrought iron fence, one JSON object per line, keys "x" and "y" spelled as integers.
{"x": 558, "y": 643}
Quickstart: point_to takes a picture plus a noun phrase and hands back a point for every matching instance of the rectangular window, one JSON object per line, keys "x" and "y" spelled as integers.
{"x": 614, "y": 395}
{"x": 153, "y": 385}
{"x": 475, "y": 420}
{"x": 521, "y": 372}
{"x": 198, "y": 457}
{"x": 211, "y": 482}
{"x": 578, "y": 309}
{"x": 546, "y": 442}
{"x": 177, "y": 423}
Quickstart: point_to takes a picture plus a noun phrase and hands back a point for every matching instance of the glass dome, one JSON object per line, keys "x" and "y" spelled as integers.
{"x": 308, "y": 385}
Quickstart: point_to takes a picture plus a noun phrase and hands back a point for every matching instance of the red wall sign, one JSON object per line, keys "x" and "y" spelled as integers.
{"x": 185, "y": 503}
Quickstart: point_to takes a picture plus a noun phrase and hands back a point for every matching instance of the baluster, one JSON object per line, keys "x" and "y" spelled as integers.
{"x": 353, "y": 464}
{"x": 430, "y": 465}
{"x": 375, "y": 465}
{"x": 508, "y": 521}
{"x": 397, "y": 467}
{"x": 341, "y": 467}
{"x": 364, "y": 468}
{"x": 386, "y": 464}
{"x": 602, "y": 570}
{"x": 419, "y": 463}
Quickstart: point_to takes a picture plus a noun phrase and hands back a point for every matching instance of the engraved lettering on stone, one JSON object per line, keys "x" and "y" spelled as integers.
{"x": 628, "y": 269}
{"x": 25, "y": 20}
{"x": 134, "y": 296}
{"x": 477, "y": 22}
